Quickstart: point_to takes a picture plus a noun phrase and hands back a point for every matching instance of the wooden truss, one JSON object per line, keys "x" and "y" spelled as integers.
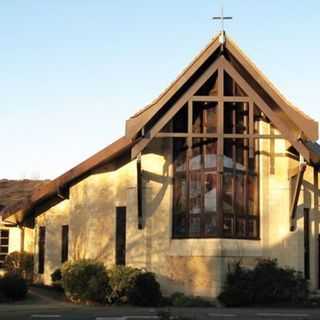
{"x": 222, "y": 65}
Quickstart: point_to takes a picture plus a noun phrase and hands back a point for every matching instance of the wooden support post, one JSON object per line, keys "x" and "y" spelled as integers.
{"x": 139, "y": 192}
{"x": 296, "y": 194}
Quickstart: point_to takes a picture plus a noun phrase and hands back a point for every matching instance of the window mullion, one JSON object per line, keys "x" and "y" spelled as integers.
{"x": 189, "y": 155}
{"x": 220, "y": 158}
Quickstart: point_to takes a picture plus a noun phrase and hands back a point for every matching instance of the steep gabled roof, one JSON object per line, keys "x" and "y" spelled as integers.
{"x": 307, "y": 126}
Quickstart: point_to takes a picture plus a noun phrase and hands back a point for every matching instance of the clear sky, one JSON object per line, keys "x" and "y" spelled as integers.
{"x": 72, "y": 72}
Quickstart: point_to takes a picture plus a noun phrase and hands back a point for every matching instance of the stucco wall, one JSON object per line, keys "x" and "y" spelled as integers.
{"x": 193, "y": 266}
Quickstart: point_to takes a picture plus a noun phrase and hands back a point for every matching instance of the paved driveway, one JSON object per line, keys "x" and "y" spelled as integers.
{"x": 67, "y": 312}
{"x": 45, "y": 304}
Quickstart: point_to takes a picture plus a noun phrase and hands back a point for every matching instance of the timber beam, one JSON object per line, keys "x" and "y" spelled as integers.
{"x": 296, "y": 194}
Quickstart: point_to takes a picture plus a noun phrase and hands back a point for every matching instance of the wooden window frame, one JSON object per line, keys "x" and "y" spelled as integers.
{"x": 249, "y": 136}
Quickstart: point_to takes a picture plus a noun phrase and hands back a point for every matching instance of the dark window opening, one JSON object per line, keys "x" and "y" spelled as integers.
{"x": 210, "y": 88}
{"x": 306, "y": 221}
{"x": 41, "y": 246}
{"x": 120, "y": 235}
{"x": 231, "y": 88}
{"x": 64, "y": 243}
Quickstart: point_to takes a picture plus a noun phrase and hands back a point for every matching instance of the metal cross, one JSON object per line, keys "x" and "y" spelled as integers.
{"x": 222, "y": 18}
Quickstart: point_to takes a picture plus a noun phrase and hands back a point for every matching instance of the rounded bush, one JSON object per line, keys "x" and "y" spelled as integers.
{"x": 56, "y": 279}
{"x": 56, "y": 275}
{"x": 20, "y": 263}
{"x": 85, "y": 281}
{"x": 121, "y": 279}
{"x": 266, "y": 284}
{"x": 13, "y": 287}
{"x": 146, "y": 291}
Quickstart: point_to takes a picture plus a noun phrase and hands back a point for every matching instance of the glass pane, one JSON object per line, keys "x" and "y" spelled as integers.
{"x": 4, "y": 241}
{"x": 236, "y": 154}
{"x": 242, "y": 153}
{"x": 210, "y": 88}
{"x": 241, "y": 227}
{"x": 4, "y": 249}
{"x": 231, "y": 88}
{"x": 253, "y": 195}
{"x": 210, "y": 224}
{"x": 252, "y": 228}
{"x": 228, "y": 226}
{"x": 180, "y": 224}
{"x": 239, "y": 195}
{"x": 194, "y": 225}
{"x": 180, "y": 193}
{"x": 195, "y": 193}
{"x": 4, "y": 233}
{"x": 210, "y": 154}
{"x": 227, "y": 193}
{"x": 236, "y": 117}
{"x": 210, "y": 196}
{"x": 196, "y": 154}
{"x": 180, "y": 154}
{"x": 204, "y": 119}
{"x": 228, "y": 153}
{"x": 179, "y": 123}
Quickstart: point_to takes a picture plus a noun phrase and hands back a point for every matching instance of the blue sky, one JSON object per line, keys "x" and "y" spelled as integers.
{"x": 72, "y": 72}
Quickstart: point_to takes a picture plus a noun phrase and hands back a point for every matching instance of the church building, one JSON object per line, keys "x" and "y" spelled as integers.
{"x": 219, "y": 168}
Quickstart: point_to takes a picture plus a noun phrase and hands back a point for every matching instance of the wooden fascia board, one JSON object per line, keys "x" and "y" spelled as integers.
{"x": 141, "y": 144}
{"x": 296, "y": 194}
{"x": 307, "y": 125}
{"x": 136, "y": 123}
{"x": 292, "y": 138}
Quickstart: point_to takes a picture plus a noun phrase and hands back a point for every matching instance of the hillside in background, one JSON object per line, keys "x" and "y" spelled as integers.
{"x": 13, "y": 191}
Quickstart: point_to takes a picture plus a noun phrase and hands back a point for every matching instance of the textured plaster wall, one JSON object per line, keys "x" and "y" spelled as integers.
{"x": 194, "y": 266}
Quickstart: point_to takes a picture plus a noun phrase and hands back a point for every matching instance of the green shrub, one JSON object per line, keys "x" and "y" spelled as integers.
{"x": 56, "y": 275}
{"x": 85, "y": 281}
{"x": 121, "y": 279}
{"x": 266, "y": 284}
{"x": 20, "y": 263}
{"x": 56, "y": 279}
{"x": 146, "y": 290}
{"x": 178, "y": 299}
{"x": 13, "y": 287}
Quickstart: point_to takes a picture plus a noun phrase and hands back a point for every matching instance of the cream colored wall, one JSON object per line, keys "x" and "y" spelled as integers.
{"x": 52, "y": 219}
{"x": 275, "y": 199}
{"x": 195, "y": 267}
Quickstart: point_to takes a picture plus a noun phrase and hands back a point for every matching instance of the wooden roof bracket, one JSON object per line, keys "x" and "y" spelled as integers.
{"x": 296, "y": 194}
